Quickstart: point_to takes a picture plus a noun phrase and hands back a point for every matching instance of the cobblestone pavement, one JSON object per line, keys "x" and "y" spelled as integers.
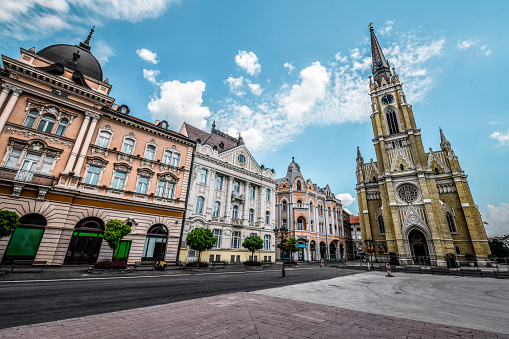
{"x": 242, "y": 315}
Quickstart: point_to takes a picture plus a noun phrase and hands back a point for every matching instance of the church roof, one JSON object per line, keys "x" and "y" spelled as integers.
{"x": 222, "y": 141}
{"x": 380, "y": 66}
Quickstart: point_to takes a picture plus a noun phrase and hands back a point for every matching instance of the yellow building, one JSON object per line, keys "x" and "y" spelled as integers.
{"x": 413, "y": 203}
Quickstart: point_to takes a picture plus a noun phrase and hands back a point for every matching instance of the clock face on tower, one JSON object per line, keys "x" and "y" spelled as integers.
{"x": 387, "y": 99}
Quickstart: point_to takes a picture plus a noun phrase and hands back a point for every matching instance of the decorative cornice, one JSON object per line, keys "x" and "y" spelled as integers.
{"x": 31, "y": 133}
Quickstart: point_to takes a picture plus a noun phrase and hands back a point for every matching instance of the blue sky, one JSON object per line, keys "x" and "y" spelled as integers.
{"x": 292, "y": 76}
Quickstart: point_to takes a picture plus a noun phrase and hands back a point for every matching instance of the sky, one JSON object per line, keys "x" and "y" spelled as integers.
{"x": 292, "y": 76}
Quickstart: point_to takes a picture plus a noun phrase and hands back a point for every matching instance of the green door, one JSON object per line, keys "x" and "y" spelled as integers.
{"x": 24, "y": 244}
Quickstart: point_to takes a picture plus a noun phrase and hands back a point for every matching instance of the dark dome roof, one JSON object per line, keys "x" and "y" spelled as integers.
{"x": 63, "y": 54}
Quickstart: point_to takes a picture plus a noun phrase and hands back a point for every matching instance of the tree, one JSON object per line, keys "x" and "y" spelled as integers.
{"x": 200, "y": 239}
{"x": 8, "y": 222}
{"x": 114, "y": 231}
{"x": 289, "y": 245}
{"x": 498, "y": 248}
{"x": 253, "y": 243}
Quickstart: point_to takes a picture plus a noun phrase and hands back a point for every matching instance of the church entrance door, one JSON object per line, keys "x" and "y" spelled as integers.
{"x": 419, "y": 248}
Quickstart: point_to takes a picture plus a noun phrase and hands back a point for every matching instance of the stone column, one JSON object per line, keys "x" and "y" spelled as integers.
{"x": 77, "y": 144}
{"x": 246, "y": 204}
{"x": 16, "y": 92}
{"x": 272, "y": 206}
{"x": 86, "y": 144}
{"x": 210, "y": 198}
{"x": 5, "y": 92}
{"x": 229, "y": 200}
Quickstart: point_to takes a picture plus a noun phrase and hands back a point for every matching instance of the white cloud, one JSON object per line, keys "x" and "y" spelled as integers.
{"x": 466, "y": 44}
{"x": 340, "y": 58}
{"x": 179, "y": 102}
{"x": 255, "y": 88}
{"x": 346, "y": 198}
{"x": 495, "y": 123}
{"x": 501, "y": 137}
{"x": 249, "y": 62}
{"x": 150, "y": 75}
{"x": 387, "y": 29}
{"x": 147, "y": 55}
{"x": 236, "y": 85}
{"x": 355, "y": 54}
{"x": 486, "y": 50}
{"x": 102, "y": 51}
{"x": 497, "y": 218}
{"x": 348, "y": 211}
{"x": 290, "y": 66}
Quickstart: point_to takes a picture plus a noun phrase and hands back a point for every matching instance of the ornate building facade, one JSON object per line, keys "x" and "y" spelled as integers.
{"x": 413, "y": 203}
{"x": 72, "y": 159}
{"x": 231, "y": 195}
{"x": 313, "y": 216}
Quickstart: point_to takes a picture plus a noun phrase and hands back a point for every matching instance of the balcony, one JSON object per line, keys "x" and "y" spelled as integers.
{"x": 237, "y": 196}
{"x": 26, "y": 176}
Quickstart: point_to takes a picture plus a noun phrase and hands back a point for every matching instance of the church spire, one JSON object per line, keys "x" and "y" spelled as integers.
{"x": 360, "y": 160}
{"x": 444, "y": 143}
{"x": 86, "y": 45}
{"x": 380, "y": 67}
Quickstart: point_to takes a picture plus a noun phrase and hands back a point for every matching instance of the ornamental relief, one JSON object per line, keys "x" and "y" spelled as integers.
{"x": 51, "y": 109}
{"x": 407, "y": 193}
{"x": 30, "y": 134}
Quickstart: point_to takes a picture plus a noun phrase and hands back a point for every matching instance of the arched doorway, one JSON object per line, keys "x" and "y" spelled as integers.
{"x": 341, "y": 251}
{"x": 85, "y": 242}
{"x": 419, "y": 247}
{"x": 323, "y": 250}
{"x": 155, "y": 243}
{"x": 25, "y": 240}
{"x": 312, "y": 249}
{"x": 332, "y": 251}
{"x": 302, "y": 250}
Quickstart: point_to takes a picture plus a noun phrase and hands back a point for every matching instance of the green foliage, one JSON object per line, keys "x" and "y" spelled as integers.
{"x": 253, "y": 243}
{"x": 114, "y": 231}
{"x": 8, "y": 222}
{"x": 292, "y": 245}
{"x": 200, "y": 239}
{"x": 498, "y": 248}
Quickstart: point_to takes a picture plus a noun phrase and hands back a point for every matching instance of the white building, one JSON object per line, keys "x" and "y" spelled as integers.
{"x": 231, "y": 195}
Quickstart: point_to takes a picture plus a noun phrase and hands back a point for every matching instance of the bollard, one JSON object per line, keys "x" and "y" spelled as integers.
{"x": 321, "y": 263}
{"x": 388, "y": 266}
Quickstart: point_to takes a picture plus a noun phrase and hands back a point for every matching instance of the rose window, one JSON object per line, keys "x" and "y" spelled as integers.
{"x": 407, "y": 193}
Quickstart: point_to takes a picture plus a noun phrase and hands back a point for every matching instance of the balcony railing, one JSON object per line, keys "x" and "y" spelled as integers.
{"x": 25, "y": 176}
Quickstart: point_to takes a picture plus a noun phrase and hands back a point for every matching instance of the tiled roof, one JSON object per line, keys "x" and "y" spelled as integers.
{"x": 212, "y": 139}
{"x": 354, "y": 219}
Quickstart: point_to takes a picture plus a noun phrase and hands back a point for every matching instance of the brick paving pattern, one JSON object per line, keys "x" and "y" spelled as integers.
{"x": 242, "y": 315}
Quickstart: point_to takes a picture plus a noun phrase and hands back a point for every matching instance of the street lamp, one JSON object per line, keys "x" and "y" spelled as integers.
{"x": 281, "y": 235}
{"x": 370, "y": 243}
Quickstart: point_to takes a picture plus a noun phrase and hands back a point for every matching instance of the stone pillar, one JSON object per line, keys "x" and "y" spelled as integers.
{"x": 16, "y": 92}
{"x": 77, "y": 144}
{"x": 246, "y": 204}
{"x": 210, "y": 198}
{"x": 272, "y": 206}
{"x": 86, "y": 144}
{"x": 229, "y": 190}
{"x": 5, "y": 92}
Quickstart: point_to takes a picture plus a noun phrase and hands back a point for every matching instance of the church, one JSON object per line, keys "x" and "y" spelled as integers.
{"x": 414, "y": 204}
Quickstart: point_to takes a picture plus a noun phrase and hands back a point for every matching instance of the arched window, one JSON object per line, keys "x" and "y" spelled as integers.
{"x": 283, "y": 205}
{"x": 451, "y": 223}
{"x": 311, "y": 206}
{"x": 401, "y": 167}
{"x": 328, "y": 211}
{"x": 150, "y": 152}
{"x": 155, "y": 243}
{"x": 235, "y": 214}
{"x": 381, "y": 226}
{"x": 128, "y": 146}
{"x": 33, "y": 219}
{"x": 25, "y": 240}
{"x": 103, "y": 139}
{"x": 458, "y": 250}
{"x": 46, "y": 123}
{"x": 30, "y": 118}
{"x": 85, "y": 242}
{"x": 299, "y": 187}
{"x": 199, "y": 205}
{"x": 299, "y": 203}
{"x": 374, "y": 179}
{"x": 62, "y": 126}
{"x": 300, "y": 224}
{"x": 392, "y": 121}
{"x": 251, "y": 215}
{"x": 217, "y": 207}
{"x": 267, "y": 217}
{"x": 436, "y": 170}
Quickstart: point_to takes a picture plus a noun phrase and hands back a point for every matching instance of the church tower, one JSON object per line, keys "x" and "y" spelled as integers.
{"x": 413, "y": 203}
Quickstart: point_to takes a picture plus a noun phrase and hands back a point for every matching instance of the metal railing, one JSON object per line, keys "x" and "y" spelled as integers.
{"x": 26, "y": 176}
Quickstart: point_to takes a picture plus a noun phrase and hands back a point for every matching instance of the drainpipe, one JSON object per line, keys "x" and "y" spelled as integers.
{"x": 185, "y": 206}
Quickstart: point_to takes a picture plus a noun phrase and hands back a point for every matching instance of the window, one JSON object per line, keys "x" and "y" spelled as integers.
{"x": 119, "y": 180}
{"x": 330, "y": 229}
{"x": 235, "y": 214}
{"x": 165, "y": 189}
{"x": 381, "y": 226}
{"x": 203, "y": 176}
{"x": 401, "y": 167}
{"x": 251, "y": 215}
{"x": 46, "y": 123}
{"x": 176, "y": 160}
{"x": 458, "y": 250}
{"x": 436, "y": 171}
{"x": 142, "y": 185}
{"x": 103, "y": 140}
{"x": 252, "y": 192}
{"x": 236, "y": 187}
{"x": 452, "y": 224}
{"x": 266, "y": 242}
{"x": 283, "y": 205}
{"x": 217, "y": 235}
{"x": 30, "y": 162}
{"x": 219, "y": 182}
{"x": 161, "y": 188}
{"x": 62, "y": 126}
{"x": 167, "y": 157}
{"x": 236, "y": 239}
{"x": 30, "y": 118}
{"x": 328, "y": 211}
{"x": 392, "y": 122}
{"x": 299, "y": 186}
{"x": 47, "y": 163}
{"x": 170, "y": 190}
{"x": 199, "y": 205}
{"x": 311, "y": 226}
{"x": 311, "y": 206}
{"x": 299, "y": 224}
{"x": 267, "y": 194}
{"x": 13, "y": 159}
{"x": 267, "y": 217}
{"x": 299, "y": 203}
{"x": 128, "y": 146}
{"x": 150, "y": 152}
{"x": 241, "y": 158}
{"x": 217, "y": 207}
{"x": 284, "y": 223}
{"x": 92, "y": 175}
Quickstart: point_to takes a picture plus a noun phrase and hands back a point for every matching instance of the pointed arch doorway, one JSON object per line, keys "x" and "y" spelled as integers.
{"x": 419, "y": 247}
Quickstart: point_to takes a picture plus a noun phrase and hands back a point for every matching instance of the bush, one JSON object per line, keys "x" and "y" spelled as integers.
{"x": 252, "y": 263}
{"x": 110, "y": 264}
{"x": 8, "y": 223}
{"x": 197, "y": 264}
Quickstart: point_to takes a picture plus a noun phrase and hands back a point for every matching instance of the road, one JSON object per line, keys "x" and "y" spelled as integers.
{"x": 36, "y": 301}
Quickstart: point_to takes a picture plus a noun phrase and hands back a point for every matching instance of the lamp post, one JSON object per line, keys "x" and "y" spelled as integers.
{"x": 371, "y": 248}
{"x": 281, "y": 235}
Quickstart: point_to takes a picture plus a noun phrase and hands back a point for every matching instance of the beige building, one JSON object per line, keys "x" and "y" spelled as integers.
{"x": 415, "y": 204}
{"x": 231, "y": 195}
{"x": 72, "y": 159}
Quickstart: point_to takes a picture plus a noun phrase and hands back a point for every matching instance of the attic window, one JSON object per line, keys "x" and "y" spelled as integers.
{"x": 221, "y": 144}
{"x": 241, "y": 158}
{"x": 402, "y": 167}
{"x": 436, "y": 170}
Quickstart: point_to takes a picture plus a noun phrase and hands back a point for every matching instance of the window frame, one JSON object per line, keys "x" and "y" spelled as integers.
{"x": 31, "y": 116}
{"x": 147, "y": 183}
{"x": 216, "y": 209}
{"x": 267, "y": 217}
{"x": 45, "y": 120}
{"x": 116, "y": 187}
{"x": 63, "y": 125}
{"x": 251, "y": 215}
{"x": 219, "y": 182}
{"x": 91, "y": 177}
{"x": 199, "y": 204}
{"x": 124, "y": 149}
{"x": 99, "y": 140}
{"x": 235, "y": 212}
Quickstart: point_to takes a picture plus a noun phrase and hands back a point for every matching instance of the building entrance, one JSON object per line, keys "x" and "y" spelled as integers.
{"x": 85, "y": 242}
{"x": 419, "y": 248}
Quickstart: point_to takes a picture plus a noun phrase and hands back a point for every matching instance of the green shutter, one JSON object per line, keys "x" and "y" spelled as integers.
{"x": 123, "y": 248}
